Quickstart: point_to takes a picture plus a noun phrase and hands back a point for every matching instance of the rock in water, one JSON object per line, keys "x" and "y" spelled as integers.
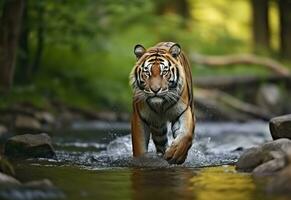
{"x": 150, "y": 160}
{"x": 27, "y": 123}
{"x": 8, "y": 180}
{"x": 45, "y": 183}
{"x": 281, "y": 182}
{"x": 272, "y": 166}
{"x": 250, "y": 159}
{"x": 29, "y": 146}
{"x": 45, "y": 117}
{"x": 256, "y": 156}
{"x": 280, "y": 127}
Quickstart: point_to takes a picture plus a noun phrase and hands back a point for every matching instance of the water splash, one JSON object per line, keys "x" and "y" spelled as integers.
{"x": 214, "y": 144}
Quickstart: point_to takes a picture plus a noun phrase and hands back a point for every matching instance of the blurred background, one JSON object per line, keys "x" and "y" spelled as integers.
{"x": 64, "y": 70}
{"x": 79, "y": 53}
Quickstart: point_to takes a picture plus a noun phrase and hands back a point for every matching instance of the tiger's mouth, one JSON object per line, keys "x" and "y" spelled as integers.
{"x": 156, "y": 103}
{"x": 156, "y": 99}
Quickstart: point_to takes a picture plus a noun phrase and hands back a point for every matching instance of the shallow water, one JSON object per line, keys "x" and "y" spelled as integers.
{"x": 148, "y": 183}
{"x": 94, "y": 162}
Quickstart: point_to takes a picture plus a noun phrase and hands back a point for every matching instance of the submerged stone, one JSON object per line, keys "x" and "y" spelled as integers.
{"x": 150, "y": 160}
{"x": 29, "y": 146}
{"x": 45, "y": 183}
{"x": 280, "y": 127}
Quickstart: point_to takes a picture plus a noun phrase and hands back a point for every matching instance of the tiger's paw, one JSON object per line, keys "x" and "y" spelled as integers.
{"x": 178, "y": 151}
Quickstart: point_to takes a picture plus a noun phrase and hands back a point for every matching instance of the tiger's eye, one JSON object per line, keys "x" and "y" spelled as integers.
{"x": 165, "y": 72}
{"x": 147, "y": 73}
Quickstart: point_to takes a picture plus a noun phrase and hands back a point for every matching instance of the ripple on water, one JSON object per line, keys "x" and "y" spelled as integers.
{"x": 215, "y": 144}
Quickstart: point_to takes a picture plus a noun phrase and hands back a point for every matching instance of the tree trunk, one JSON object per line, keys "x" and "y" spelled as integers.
{"x": 285, "y": 28}
{"x": 261, "y": 34}
{"x": 179, "y": 7}
{"x": 40, "y": 38}
{"x": 9, "y": 33}
{"x": 23, "y": 62}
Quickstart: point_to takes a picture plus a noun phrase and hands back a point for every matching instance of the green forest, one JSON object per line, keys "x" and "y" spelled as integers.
{"x": 72, "y": 126}
{"x": 80, "y": 52}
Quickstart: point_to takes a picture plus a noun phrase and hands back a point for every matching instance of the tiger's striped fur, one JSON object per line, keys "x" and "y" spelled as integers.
{"x": 162, "y": 95}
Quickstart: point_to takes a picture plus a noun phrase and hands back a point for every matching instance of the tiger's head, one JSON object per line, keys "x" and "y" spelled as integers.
{"x": 157, "y": 75}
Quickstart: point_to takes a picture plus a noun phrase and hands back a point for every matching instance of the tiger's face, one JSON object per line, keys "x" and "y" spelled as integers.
{"x": 156, "y": 77}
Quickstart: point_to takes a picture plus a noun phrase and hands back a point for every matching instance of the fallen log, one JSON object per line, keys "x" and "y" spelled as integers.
{"x": 248, "y": 59}
{"x": 202, "y": 95}
{"x": 232, "y": 82}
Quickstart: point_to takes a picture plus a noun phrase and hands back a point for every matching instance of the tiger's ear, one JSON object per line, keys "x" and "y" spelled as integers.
{"x": 139, "y": 50}
{"x": 175, "y": 50}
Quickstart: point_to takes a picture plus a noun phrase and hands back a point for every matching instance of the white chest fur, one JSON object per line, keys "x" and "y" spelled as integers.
{"x": 159, "y": 119}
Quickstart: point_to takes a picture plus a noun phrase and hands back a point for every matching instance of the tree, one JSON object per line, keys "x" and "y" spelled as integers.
{"x": 29, "y": 56}
{"x": 179, "y": 7}
{"x": 285, "y": 28}
{"x": 261, "y": 33}
{"x": 9, "y": 33}
{"x": 23, "y": 61}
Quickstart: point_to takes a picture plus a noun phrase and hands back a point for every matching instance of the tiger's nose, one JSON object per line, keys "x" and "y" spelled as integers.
{"x": 155, "y": 89}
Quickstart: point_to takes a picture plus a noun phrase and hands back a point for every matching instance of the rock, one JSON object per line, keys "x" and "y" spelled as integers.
{"x": 250, "y": 159}
{"x": 280, "y": 127}
{"x": 27, "y": 123}
{"x": 29, "y": 146}
{"x": 272, "y": 166}
{"x": 45, "y": 117}
{"x": 256, "y": 156}
{"x": 3, "y": 130}
{"x": 281, "y": 183}
{"x": 8, "y": 180}
{"x": 282, "y": 144}
{"x": 45, "y": 183}
{"x": 150, "y": 160}
{"x": 269, "y": 97}
{"x": 66, "y": 118}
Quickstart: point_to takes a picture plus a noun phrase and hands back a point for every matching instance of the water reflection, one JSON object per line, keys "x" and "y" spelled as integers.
{"x": 222, "y": 183}
{"x": 87, "y": 167}
{"x": 162, "y": 183}
{"x": 218, "y": 183}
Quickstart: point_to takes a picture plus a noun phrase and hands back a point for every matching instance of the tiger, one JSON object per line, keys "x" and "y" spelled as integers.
{"x": 161, "y": 81}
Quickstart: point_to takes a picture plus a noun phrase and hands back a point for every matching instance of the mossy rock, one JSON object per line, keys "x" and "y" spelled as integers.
{"x": 29, "y": 146}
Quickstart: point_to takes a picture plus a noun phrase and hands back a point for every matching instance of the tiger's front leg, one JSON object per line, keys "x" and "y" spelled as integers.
{"x": 183, "y": 131}
{"x": 140, "y": 135}
{"x": 160, "y": 138}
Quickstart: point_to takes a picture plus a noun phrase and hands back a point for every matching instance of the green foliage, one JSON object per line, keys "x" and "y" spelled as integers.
{"x": 88, "y": 49}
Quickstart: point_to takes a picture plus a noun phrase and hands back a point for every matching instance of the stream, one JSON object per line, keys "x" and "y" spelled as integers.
{"x": 94, "y": 161}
